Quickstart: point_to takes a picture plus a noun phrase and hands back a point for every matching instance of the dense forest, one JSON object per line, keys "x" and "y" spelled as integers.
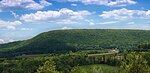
{"x": 79, "y": 51}
{"x": 62, "y": 41}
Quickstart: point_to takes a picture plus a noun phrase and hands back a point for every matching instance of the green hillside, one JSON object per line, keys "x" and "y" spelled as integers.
{"x": 60, "y": 41}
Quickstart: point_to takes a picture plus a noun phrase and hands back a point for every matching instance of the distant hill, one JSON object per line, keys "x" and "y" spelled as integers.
{"x": 60, "y": 41}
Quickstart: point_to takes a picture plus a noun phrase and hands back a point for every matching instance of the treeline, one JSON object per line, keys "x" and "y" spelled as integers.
{"x": 143, "y": 47}
{"x": 60, "y": 63}
{"x": 66, "y": 63}
{"x": 63, "y": 41}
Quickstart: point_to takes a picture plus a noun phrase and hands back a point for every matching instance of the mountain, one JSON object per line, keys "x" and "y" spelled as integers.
{"x": 60, "y": 41}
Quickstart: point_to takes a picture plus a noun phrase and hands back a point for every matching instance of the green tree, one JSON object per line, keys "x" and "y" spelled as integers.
{"x": 134, "y": 63}
{"x": 48, "y": 67}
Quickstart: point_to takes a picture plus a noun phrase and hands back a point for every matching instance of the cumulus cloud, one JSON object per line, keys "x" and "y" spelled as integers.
{"x": 109, "y": 22}
{"x": 91, "y": 22}
{"x": 9, "y": 25}
{"x": 74, "y": 5}
{"x": 121, "y": 2}
{"x": 105, "y": 2}
{"x": 28, "y": 4}
{"x": 74, "y": 14}
{"x": 34, "y": 6}
{"x": 66, "y": 22}
{"x": 66, "y": 28}
{"x": 14, "y": 14}
{"x": 85, "y": 12}
{"x": 45, "y": 3}
{"x": 124, "y": 13}
{"x": 62, "y": 13}
{"x": 26, "y": 28}
{"x": 0, "y": 10}
{"x": 40, "y": 15}
{"x": 131, "y": 23}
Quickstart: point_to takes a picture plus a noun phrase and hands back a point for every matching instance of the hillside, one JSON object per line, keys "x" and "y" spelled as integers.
{"x": 60, "y": 41}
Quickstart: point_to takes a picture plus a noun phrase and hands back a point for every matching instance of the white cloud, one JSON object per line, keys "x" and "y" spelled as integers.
{"x": 109, "y": 22}
{"x": 70, "y": 13}
{"x": 74, "y": 14}
{"x": 13, "y": 3}
{"x": 34, "y": 6}
{"x": 121, "y": 2}
{"x": 63, "y": 13}
{"x": 14, "y": 14}
{"x": 9, "y": 25}
{"x": 39, "y": 15}
{"x": 28, "y": 4}
{"x": 66, "y": 22}
{"x": 131, "y": 23}
{"x": 0, "y": 10}
{"x": 91, "y": 22}
{"x": 26, "y": 28}
{"x": 2, "y": 41}
{"x": 66, "y": 28}
{"x": 85, "y": 12}
{"x": 124, "y": 13}
{"x": 105, "y": 2}
{"x": 45, "y": 3}
{"x": 74, "y": 5}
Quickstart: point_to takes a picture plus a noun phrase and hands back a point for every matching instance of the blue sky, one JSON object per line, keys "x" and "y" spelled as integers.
{"x": 24, "y": 19}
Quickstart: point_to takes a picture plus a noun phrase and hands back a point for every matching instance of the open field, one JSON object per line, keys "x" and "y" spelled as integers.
{"x": 99, "y": 68}
{"x": 100, "y": 54}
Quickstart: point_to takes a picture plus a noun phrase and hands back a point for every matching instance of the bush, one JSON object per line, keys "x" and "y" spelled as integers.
{"x": 134, "y": 63}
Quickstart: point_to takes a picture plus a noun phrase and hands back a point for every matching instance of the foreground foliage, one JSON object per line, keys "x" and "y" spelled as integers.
{"x": 53, "y": 63}
{"x": 49, "y": 67}
{"x": 77, "y": 63}
{"x": 134, "y": 63}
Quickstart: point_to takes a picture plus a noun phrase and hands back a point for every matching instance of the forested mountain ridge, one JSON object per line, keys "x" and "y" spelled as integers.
{"x": 60, "y": 41}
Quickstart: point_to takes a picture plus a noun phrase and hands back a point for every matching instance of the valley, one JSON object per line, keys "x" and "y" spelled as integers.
{"x": 78, "y": 51}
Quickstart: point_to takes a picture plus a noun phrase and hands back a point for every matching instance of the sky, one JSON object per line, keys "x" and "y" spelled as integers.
{"x": 24, "y": 19}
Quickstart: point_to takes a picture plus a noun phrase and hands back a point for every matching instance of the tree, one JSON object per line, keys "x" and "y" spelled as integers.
{"x": 48, "y": 67}
{"x": 134, "y": 63}
{"x": 145, "y": 46}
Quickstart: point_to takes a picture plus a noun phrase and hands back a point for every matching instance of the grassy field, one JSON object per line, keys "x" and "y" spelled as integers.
{"x": 99, "y": 68}
{"x": 100, "y": 54}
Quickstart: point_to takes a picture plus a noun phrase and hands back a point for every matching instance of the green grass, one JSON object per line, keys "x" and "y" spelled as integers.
{"x": 99, "y": 68}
